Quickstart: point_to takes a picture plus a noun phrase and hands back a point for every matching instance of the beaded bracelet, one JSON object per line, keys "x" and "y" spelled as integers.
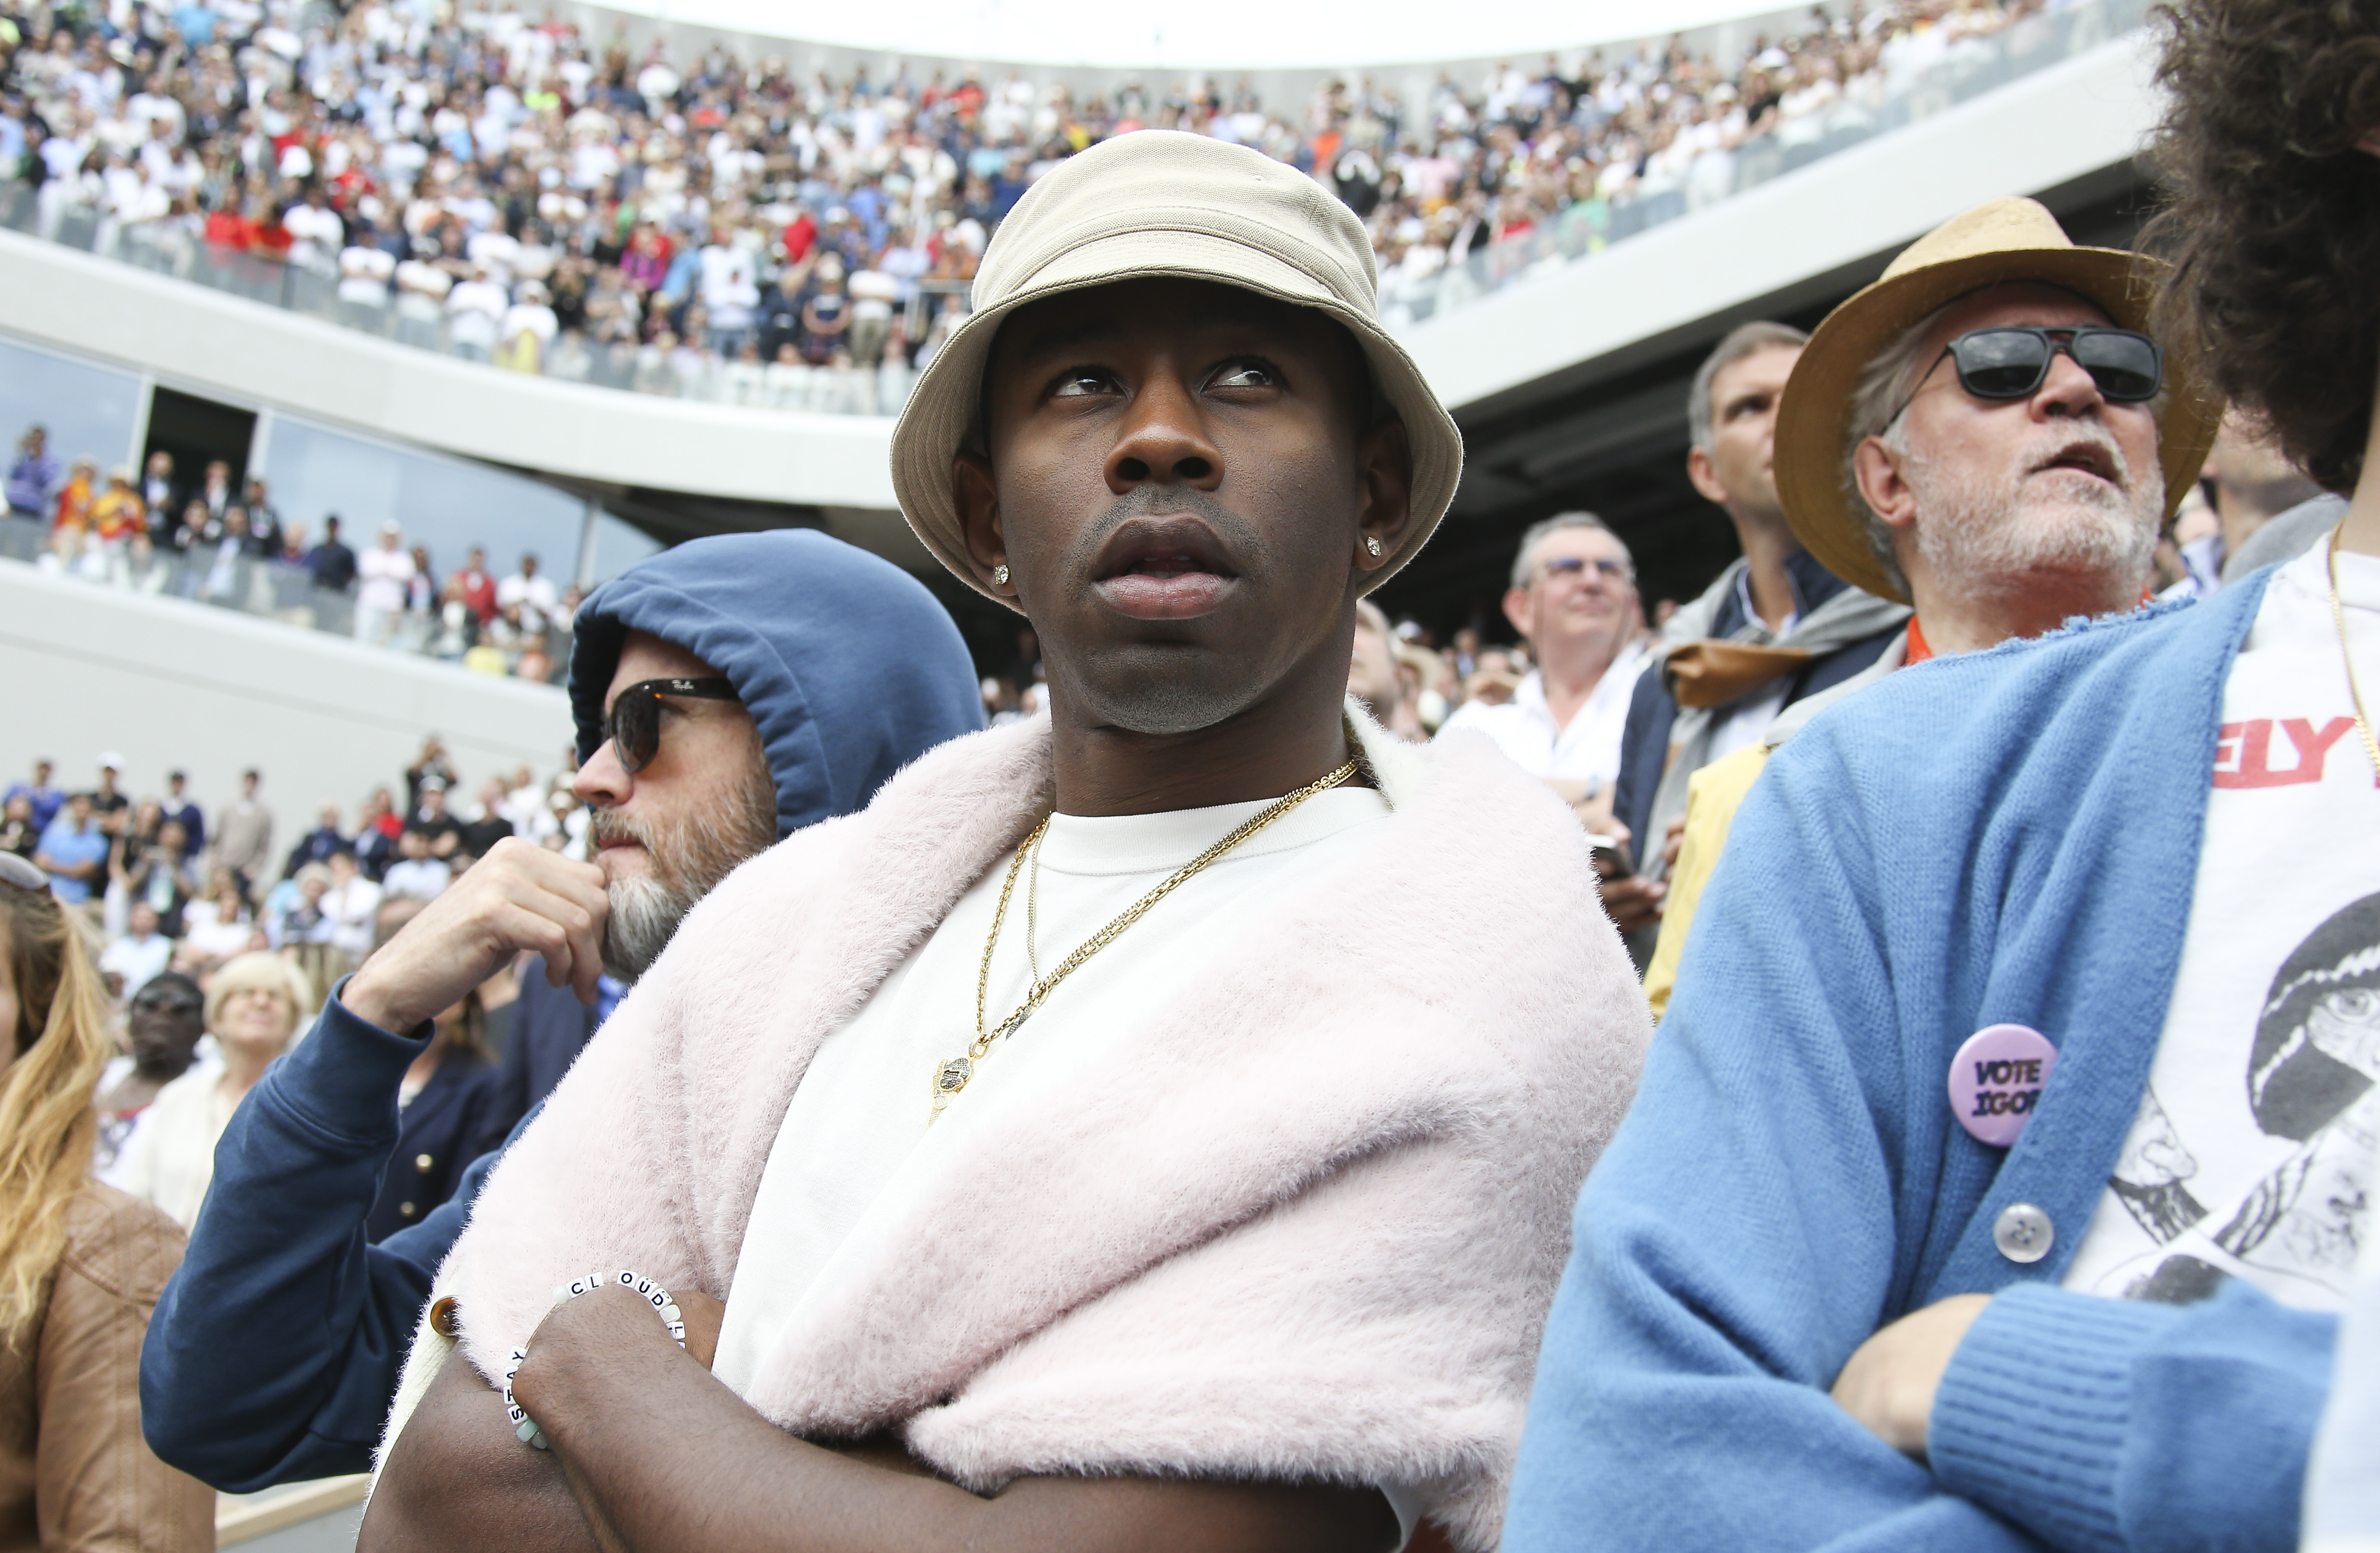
{"x": 525, "y": 1427}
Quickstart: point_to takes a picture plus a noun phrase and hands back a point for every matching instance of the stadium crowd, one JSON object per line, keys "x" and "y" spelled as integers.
{"x": 202, "y": 539}
{"x": 514, "y": 191}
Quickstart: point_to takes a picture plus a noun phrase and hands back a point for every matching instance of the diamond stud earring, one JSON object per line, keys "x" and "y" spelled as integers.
{"x": 999, "y": 573}
{"x": 1372, "y": 544}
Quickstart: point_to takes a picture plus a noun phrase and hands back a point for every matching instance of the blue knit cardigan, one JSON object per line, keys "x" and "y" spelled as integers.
{"x": 2006, "y": 836}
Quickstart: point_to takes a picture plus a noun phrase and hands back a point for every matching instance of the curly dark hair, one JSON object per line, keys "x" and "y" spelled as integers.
{"x": 2271, "y": 215}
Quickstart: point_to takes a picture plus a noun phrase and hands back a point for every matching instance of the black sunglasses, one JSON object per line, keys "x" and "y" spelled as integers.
{"x": 634, "y": 723}
{"x": 2012, "y": 362}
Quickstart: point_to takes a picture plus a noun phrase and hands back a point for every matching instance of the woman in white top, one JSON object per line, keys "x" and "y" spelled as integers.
{"x": 352, "y": 902}
{"x": 219, "y": 926}
{"x": 253, "y": 1008}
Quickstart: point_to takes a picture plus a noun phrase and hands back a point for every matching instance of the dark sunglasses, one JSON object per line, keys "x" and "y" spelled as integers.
{"x": 2012, "y": 363}
{"x": 634, "y": 723}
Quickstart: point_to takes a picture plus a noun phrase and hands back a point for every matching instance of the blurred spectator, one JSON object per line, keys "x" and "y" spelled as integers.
{"x": 33, "y": 475}
{"x": 218, "y": 925}
{"x": 106, "y": 800}
{"x": 1374, "y": 678}
{"x": 157, "y": 491}
{"x": 214, "y": 492}
{"x": 475, "y": 586}
{"x": 252, "y": 1007}
{"x": 264, "y": 518}
{"x": 163, "y": 1024}
{"x": 533, "y": 594}
{"x": 73, "y": 851}
{"x": 331, "y": 563}
{"x": 117, "y": 513}
{"x": 385, "y": 577}
{"x": 430, "y": 819}
{"x": 18, "y": 834}
{"x": 318, "y": 845}
{"x": 158, "y": 875}
{"x": 184, "y": 810}
{"x": 350, "y": 903}
{"x": 140, "y": 954}
{"x": 43, "y": 795}
{"x": 72, "y": 513}
{"x": 430, "y": 765}
{"x": 2251, "y": 481}
{"x": 415, "y": 873}
{"x": 491, "y": 825}
{"x": 1574, "y": 601}
{"x": 243, "y": 832}
{"x": 376, "y": 833}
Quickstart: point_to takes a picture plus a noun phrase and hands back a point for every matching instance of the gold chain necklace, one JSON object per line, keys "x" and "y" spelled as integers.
{"x": 952, "y": 1076}
{"x": 2354, "y": 694}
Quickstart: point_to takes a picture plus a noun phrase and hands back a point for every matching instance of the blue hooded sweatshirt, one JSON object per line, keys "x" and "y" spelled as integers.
{"x": 275, "y": 1349}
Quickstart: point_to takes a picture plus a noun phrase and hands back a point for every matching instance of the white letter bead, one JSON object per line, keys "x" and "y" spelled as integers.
{"x": 672, "y": 1314}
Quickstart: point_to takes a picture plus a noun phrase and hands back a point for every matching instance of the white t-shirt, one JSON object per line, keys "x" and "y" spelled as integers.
{"x": 2252, "y": 1153}
{"x": 423, "y": 880}
{"x": 1586, "y": 749}
{"x": 137, "y": 960}
{"x": 858, "y": 1120}
{"x": 384, "y": 575}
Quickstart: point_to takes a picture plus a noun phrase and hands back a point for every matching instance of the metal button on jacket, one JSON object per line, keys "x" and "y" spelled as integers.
{"x": 404, "y": 1210}
{"x": 423, "y": 1162}
{"x": 2022, "y": 1232}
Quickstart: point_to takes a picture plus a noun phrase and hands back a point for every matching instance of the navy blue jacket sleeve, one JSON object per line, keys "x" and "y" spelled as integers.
{"x": 276, "y": 1346}
{"x": 1643, "y": 751}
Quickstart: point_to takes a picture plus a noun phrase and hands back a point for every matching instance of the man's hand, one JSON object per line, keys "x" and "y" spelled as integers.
{"x": 518, "y": 896}
{"x": 1890, "y": 1383}
{"x": 1633, "y": 902}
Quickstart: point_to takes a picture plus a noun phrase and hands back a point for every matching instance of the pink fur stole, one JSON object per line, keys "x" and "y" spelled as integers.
{"x": 1304, "y": 1223}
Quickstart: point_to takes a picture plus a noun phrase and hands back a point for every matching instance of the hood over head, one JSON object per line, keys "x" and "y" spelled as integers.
{"x": 848, "y": 665}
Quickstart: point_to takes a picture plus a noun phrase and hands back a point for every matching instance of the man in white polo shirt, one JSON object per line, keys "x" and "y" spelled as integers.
{"x": 1574, "y": 601}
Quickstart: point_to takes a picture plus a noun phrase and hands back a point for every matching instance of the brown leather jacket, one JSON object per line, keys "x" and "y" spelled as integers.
{"x": 75, "y": 1475}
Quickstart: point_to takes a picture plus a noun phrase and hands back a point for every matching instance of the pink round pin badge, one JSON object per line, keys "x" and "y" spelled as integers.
{"x": 1997, "y": 1079}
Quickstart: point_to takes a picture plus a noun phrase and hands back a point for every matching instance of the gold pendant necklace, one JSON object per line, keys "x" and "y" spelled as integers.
{"x": 2354, "y": 692}
{"x": 951, "y": 1074}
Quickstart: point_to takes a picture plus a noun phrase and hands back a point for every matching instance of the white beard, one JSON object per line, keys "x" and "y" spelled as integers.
{"x": 1980, "y": 536}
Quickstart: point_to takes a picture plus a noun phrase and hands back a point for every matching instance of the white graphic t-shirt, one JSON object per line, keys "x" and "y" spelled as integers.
{"x": 2252, "y": 1153}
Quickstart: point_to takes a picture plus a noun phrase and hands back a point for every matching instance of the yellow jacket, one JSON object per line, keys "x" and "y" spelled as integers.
{"x": 1713, "y": 795}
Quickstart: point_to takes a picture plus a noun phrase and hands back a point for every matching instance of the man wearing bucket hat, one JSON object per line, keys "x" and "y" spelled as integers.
{"x": 1938, "y": 447}
{"x": 1985, "y": 1187}
{"x": 1080, "y": 1163}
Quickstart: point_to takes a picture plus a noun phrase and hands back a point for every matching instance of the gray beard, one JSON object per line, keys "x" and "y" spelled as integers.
{"x": 645, "y": 912}
{"x": 1978, "y": 535}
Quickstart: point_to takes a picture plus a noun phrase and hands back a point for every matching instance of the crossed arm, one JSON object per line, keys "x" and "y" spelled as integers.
{"x": 651, "y": 1451}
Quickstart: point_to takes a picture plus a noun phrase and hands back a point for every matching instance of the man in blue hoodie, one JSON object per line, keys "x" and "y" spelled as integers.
{"x": 726, "y": 693}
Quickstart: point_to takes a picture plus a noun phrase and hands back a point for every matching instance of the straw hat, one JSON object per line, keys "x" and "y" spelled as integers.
{"x": 1163, "y": 203}
{"x": 2005, "y": 240}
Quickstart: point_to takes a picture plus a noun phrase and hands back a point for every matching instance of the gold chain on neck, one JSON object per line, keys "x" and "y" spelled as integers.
{"x": 952, "y": 1076}
{"x": 2354, "y": 692}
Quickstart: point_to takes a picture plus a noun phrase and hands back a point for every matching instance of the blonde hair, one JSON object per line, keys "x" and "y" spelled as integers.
{"x": 47, "y": 1127}
{"x": 260, "y": 968}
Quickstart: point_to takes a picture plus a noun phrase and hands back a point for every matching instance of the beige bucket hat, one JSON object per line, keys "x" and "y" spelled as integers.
{"x": 1163, "y": 203}
{"x": 2004, "y": 241}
